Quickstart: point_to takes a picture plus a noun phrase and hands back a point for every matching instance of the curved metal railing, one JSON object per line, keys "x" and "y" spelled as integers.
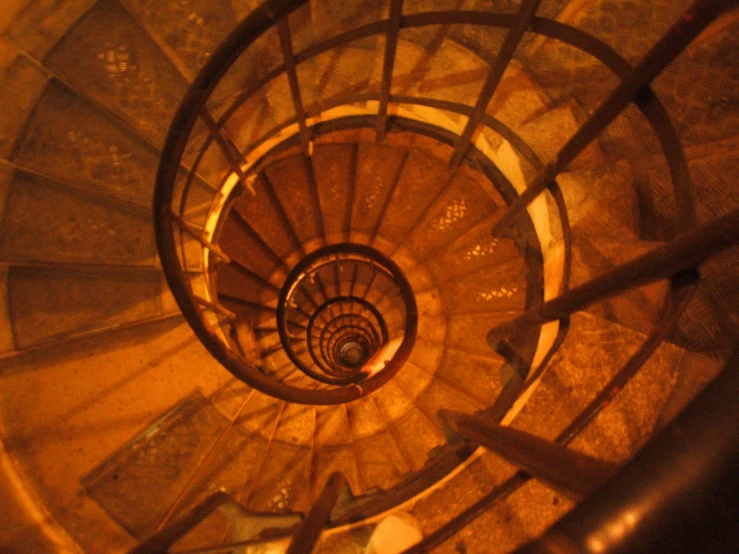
{"x": 343, "y": 331}
{"x": 188, "y": 210}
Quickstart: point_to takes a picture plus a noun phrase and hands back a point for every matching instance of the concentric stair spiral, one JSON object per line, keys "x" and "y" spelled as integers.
{"x": 377, "y": 228}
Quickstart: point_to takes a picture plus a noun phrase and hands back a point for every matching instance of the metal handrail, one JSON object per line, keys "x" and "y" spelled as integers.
{"x": 681, "y": 292}
{"x": 677, "y": 495}
{"x": 274, "y": 12}
{"x": 609, "y": 57}
{"x": 214, "y": 127}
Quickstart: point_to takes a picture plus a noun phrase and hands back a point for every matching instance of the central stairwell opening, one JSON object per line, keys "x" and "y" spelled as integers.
{"x": 434, "y": 287}
{"x": 352, "y": 223}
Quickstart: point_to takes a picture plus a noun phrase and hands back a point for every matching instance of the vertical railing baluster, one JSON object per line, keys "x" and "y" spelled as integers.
{"x": 391, "y": 44}
{"x": 684, "y": 253}
{"x": 569, "y": 471}
{"x": 317, "y": 517}
{"x": 229, "y": 149}
{"x": 510, "y": 43}
{"x": 286, "y": 46}
{"x": 198, "y": 236}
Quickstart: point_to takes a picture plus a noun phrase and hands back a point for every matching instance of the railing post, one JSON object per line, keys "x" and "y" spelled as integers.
{"x": 391, "y": 43}
{"x": 513, "y": 37}
{"x": 684, "y": 253}
{"x": 317, "y": 517}
{"x": 286, "y": 45}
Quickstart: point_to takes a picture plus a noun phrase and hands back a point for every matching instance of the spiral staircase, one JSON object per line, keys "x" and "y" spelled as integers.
{"x": 369, "y": 219}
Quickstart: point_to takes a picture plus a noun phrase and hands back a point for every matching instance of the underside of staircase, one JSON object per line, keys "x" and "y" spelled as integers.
{"x": 337, "y": 239}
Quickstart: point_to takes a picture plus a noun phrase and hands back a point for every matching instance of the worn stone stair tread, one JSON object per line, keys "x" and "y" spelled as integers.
{"x": 92, "y": 298}
{"x": 512, "y": 522}
{"x": 24, "y": 75}
{"x": 188, "y": 33}
{"x": 116, "y": 483}
{"x": 518, "y": 98}
{"x": 38, "y": 30}
{"x": 328, "y": 18}
{"x": 561, "y": 77}
{"x": 414, "y": 433}
{"x": 462, "y": 205}
{"x": 259, "y": 414}
{"x": 451, "y": 72}
{"x": 421, "y": 179}
{"x": 603, "y": 348}
{"x": 240, "y": 246}
{"x": 614, "y": 189}
{"x": 502, "y": 289}
{"x": 249, "y": 122}
{"x": 478, "y": 377}
{"x": 128, "y": 73}
{"x": 333, "y": 167}
{"x": 66, "y": 226}
{"x": 334, "y": 450}
{"x": 292, "y": 182}
{"x": 85, "y": 146}
{"x": 639, "y": 308}
{"x": 377, "y": 451}
{"x": 233, "y": 282}
{"x": 474, "y": 250}
{"x": 467, "y": 332}
{"x": 255, "y": 315}
{"x": 163, "y": 363}
{"x": 458, "y": 494}
{"x": 443, "y": 387}
{"x": 378, "y": 168}
{"x": 332, "y": 74}
{"x": 280, "y": 485}
{"x": 263, "y": 216}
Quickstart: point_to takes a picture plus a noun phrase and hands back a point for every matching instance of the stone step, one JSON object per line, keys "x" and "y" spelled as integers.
{"x": 48, "y": 222}
{"x": 49, "y": 303}
{"x": 595, "y": 349}
{"x": 262, "y": 212}
{"x": 187, "y": 33}
{"x": 333, "y": 168}
{"x": 109, "y": 56}
{"x": 294, "y": 187}
{"x": 548, "y": 132}
{"x": 336, "y": 450}
{"x": 377, "y": 173}
{"x": 421, "y": 181}
{"x": 107, "y": 389}
{"x": 85, "y": 146}
{"x": 40, "y": 26}
{"x": 462, "y": 205}
{"x": 18, "y": 72}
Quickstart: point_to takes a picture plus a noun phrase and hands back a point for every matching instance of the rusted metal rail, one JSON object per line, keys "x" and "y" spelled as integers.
{"x": 677, "y": 495}
{"x": 391, "y": 43}
{"x": 681, "y": 292}
{"x": 515, "y": 33}
{"x": 684, "y": 253}
{"x": 571, "y": 473}
{"x": 318, "y": 516}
